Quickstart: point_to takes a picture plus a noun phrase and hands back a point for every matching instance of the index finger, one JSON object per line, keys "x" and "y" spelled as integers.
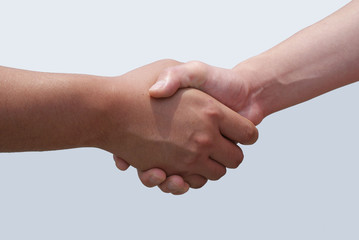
{"x": 237, "y": 128}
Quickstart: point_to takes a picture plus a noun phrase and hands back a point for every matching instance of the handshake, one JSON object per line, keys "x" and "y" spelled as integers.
{"x": 178, "y": 124}
{"x": 181, "y": 138}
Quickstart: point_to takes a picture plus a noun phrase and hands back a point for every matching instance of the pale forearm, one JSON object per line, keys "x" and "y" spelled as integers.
{"x": 45, "y": 111}
{"x": 320, "y": 58}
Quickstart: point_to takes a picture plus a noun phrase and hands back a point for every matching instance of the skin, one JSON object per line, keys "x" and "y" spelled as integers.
{"x": 316, "y": 60}
{"x": 189, "y": 135}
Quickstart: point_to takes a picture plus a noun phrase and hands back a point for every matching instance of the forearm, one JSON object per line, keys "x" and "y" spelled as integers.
{"x": 318, "y": 59}
{"x": 45, "y": 111}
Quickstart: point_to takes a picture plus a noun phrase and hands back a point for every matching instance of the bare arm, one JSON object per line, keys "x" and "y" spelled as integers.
{"x": 318, "y": 59}
{"x": 43, "y": 111}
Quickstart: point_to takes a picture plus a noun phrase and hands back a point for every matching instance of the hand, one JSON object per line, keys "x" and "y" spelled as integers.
{"x": 157, "y": 177}
{"x": 187, "y": 134}
{"x": 232, "y": 87}
{"x": 226, "y": 85}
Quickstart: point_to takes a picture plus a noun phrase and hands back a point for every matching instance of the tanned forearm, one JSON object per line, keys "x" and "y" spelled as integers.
{"x": 46, "y": 111}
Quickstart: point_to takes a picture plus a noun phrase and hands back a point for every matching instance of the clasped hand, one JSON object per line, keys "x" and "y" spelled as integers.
{"x": 187, "y": 138}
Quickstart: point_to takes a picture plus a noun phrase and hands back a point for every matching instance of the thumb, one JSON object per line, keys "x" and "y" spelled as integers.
{"x": 192, "y": 74}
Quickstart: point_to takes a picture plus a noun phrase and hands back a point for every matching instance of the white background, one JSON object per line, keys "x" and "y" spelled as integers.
{"x": 300, "y": 181}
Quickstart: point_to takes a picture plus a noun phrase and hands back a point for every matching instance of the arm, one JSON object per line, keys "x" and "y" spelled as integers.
{"x": 43, "y": 111}
{"x": 321, "y": 58}
{"x": 318, "y": 59}
{"x": 182, "y": 135}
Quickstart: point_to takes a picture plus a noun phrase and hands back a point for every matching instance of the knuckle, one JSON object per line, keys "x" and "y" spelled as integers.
{"x": 211, "y": 110}
{"x": 196, "y": 73}
{"x": 202, "y": 142}
{"x": 198, "y": 66}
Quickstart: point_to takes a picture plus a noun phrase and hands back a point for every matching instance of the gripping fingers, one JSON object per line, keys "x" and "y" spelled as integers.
{"x": 211, "y": 169}
{"x": 227, "y": 153}
{"x": 196, "y": 181}
{"x": 174, "y": 184}
{"x": 152, "y": 177}
{"x": 237, "y": 128}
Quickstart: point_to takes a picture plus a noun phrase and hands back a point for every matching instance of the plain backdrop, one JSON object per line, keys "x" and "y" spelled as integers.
{"x": 299, "y": 181}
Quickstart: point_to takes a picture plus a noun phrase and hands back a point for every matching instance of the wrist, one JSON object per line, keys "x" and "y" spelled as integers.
{"x": 115, "y": 108}
{"x": 259, "y": 79}
{"x": 95, "y": 97}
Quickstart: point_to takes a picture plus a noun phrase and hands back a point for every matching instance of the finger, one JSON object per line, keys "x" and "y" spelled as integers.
{"x": 237, "y": 128}
{"x": 192, "y": 74}
{"x": 121, "y": 163}
{"x": 164, "y": 187}
{"x": 174, "y": 184}
{"x": 211, "y": 169}
{"x": 196, "y": 181}
{"x": 152, "y": 177}
{"x": 227, "y": 153}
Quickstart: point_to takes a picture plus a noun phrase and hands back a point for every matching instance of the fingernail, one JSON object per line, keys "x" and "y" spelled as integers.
{"x": 157, "y": 85}
{"x": 154, "y": 180}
